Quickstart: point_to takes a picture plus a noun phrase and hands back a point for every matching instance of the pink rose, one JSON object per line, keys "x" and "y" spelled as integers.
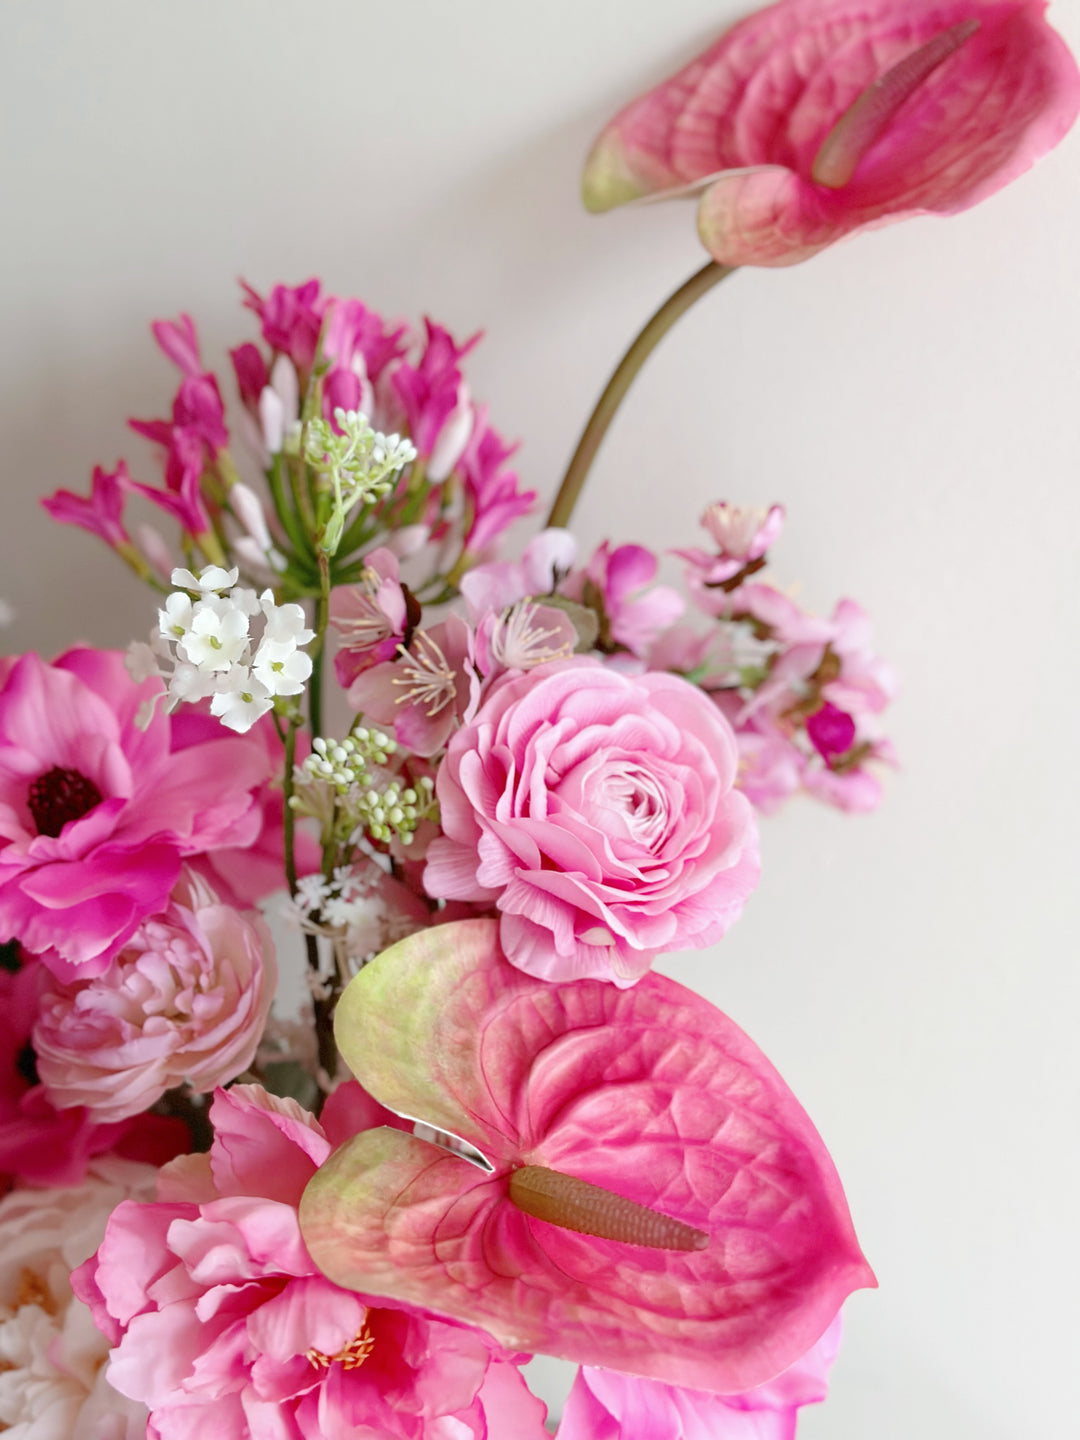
{"x": 96, "y": 813}
{"x": 223, "y": 1326}
{"x": 187, "y": 999}
{"x": 596, "y": 811}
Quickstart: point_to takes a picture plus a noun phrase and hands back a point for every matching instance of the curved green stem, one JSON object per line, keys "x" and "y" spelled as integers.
{"x": 640, "y": 349}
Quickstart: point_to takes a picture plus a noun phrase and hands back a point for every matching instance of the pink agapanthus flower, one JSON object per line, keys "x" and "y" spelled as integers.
{"x": 815, "y": 118}
{"x": 656, "y": 1200}
{"x": 185, "y": 1001}
{"x": 619, "y": 585}
{"x": 596, "y": 811}
{"x": 493, "y": 500}
{"x": 607, "y": 1405}
{"x": 291, "y": 317}
{"x": 39, "y": 1144}
{"x": 96, "y": 813}
{"x": 222, "y": 1325}
{"x": 102, "y": 513}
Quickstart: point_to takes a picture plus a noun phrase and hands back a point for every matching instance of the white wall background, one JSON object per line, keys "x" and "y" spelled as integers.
{"x": 912, "y": 397}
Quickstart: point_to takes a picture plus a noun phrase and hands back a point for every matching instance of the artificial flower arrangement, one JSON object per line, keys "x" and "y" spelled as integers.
{"x": 496, "y": 1131}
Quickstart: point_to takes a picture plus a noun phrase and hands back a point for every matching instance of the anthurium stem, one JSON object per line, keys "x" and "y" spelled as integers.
{"x": 640, "y": 349}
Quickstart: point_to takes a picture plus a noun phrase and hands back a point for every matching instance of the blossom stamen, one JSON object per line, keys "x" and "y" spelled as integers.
{"x": 350, "y": 1357}
{"x": 428, "y": 676}
{"x": 58, "y": 796}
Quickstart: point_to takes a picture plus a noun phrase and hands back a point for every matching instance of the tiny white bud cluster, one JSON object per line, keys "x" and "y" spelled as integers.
{"x": 204, "y": 636}
{"x": 382, "y": 807}
{"x": 362, "y": 464}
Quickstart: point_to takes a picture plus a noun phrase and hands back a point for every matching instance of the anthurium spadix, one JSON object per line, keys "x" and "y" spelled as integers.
{"x": 658, "y": 1202}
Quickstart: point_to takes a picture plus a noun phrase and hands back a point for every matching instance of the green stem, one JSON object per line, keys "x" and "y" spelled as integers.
{"x": 289, "y": 817}
{"x": 318, "y": 647}
{"x": 625, "y": 373}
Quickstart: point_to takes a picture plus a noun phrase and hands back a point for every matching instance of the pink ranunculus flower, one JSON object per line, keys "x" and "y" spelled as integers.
{"x": 222, "y": 1325}
{"x": 608, "y": 1405}
{"x": 619, "y": 584}
{"x": 596, "y": 811}
{"x": 39, "y": 1144}
{"x": 52, "y": 1381}
{"x": 185, "y": 1000}
{"x": 815, "y": 118}
{"x": 96, "y": 814}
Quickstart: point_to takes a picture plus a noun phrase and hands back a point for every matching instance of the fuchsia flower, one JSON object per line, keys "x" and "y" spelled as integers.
{"x": 605, "y": 1405}
{"x": 185, "y": 1000}
{"x": 596, "y": 811}
{"x": 656, "y": 1200}
{"x": 96, "y": 814}
{"x": 815, "y": 118}
{"x": 39, "y": 1144}
{"x": 223, "y": 1326}
{"x": 613, "y": 582}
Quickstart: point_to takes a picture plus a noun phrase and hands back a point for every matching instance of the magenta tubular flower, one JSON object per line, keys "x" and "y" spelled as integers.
{"x": 102, "y": 513}
{"x": 657, "y": 1201}
{"x": 434, "y": 399}
{"x": 223, "y": 1326}
{"x": 494, "y": 499}
{"x": 96, "y": 814}
{"x": 815, "y": 118}
{"x": 291, "y": 318}
{"x": 605, "y": 1405}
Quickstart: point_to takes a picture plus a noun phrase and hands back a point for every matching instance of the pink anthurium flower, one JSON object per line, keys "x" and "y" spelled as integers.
{"x": 814, "y": 118}
{"x": 657, "y": 1200}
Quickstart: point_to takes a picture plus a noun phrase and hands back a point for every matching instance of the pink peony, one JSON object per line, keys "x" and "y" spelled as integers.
{"x": 52, "y": 1384}
{"x": 223, "y": 1326}
{"x": 816, "y": 118}
{"x": 39, "y": 1144}
{"x": 185, "y": 1000}
{"x": 96, "y": 813}
{"x": 596, "y": 811}
{"x": 606, "y": 1405}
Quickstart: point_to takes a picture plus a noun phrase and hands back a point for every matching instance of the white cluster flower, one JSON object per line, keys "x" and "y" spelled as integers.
{"x": 204, "y": 638}
{"x": 367, "y": 803}
{"x": 362, "y": 464}
{"x": 350, "y": 909}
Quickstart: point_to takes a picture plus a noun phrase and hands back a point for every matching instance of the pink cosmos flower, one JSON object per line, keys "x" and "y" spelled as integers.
{"x": 96, "y": 814}
{"x": 426, "y": 692}
{"x": 40, "y": 1145}
{"x": 185, "y": 1000}
{"x": 613, "y": 583}
{"x": 222, "y": 1325}
{"x": 606, "y": 1405}
{"x": 815, "y": 118}
{"x": 656, "y": 1200}
{"x": 102, "y": 514}
{"x": 52, "y": 1385}
{"x": 596, "y": 811}
{"x": 371, "y": 617}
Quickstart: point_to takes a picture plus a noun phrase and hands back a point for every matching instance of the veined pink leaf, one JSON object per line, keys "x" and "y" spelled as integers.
{"x": 650, "y": 1094}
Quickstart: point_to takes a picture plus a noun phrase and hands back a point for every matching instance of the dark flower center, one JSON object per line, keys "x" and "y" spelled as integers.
{"x": 59, "y": 796}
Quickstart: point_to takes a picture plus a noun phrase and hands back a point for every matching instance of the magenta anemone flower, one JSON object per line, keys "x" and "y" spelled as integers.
{"x": 656, "y": 1200}
{"x": 815, "y": 118}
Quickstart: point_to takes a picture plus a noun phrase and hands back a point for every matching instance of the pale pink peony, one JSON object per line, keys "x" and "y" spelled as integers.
{"x": 607, "y": 1405}
{"x": 96, "y": 813}
{"x": 185, "y": 1000}
{"x": 52, "y": 1380}
{"x": 223, "y": 1326}
{"x": 812, "y": 119}
{"x": 39, "y": 1144}
{"x": 596, "y": 811}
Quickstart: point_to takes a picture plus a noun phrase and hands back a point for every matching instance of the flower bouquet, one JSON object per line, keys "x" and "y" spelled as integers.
{"x": 497, "y": 778}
